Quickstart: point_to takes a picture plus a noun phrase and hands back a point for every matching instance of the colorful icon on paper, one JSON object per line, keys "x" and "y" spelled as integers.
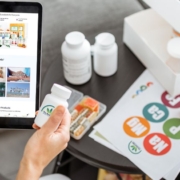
{"x": 136, "y": 126}
{"x": 155, "y": 112}
{"x": 142, "y": 88}
{"x": 157, "y": 144}
{"x": 168, "y": 100}
{"x": 172, "y": 128}
{"x": 134, "y": 148}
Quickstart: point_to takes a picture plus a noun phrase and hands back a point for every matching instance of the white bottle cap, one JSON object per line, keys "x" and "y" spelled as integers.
{"x": 75, "y": 39}
{"x": 173, "y": 47}
{"x": 61, "y": 91}
{"x": 105, "y": 40}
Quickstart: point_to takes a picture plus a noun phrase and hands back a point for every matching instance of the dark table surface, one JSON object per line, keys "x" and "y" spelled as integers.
{"x": 108, "y": 91}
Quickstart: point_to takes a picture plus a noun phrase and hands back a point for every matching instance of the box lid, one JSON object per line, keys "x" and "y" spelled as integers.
{"x": 168, "y": 9}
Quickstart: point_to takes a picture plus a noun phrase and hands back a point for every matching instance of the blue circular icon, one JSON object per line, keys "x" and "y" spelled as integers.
{"x": 155, "y": 112}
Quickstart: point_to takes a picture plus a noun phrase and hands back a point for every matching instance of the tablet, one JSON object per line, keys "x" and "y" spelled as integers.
{"x": 20, "y": 57}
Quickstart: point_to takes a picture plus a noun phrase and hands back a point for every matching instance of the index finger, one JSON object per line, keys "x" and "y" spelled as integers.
{"x": 35, "y": 126}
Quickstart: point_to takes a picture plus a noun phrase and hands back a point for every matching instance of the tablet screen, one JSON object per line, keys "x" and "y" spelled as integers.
{"x": 18, "y": 64}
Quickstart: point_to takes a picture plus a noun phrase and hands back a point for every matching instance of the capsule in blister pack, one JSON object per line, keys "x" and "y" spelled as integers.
{"x": 85, "y": 111}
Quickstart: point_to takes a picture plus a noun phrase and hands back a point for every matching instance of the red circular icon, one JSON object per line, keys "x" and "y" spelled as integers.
{"x": 157, "y": 144}
{"x": 173, "y": 102}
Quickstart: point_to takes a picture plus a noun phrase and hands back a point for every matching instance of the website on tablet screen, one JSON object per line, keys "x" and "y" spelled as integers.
{"x": 18, "y": 61}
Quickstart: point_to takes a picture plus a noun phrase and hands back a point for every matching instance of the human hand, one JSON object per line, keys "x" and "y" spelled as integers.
{"x": 13, "y": 78}
{"x": 19, "y": 73}
{"x": 45, "y": 144}
{"x": 26, "y": 79}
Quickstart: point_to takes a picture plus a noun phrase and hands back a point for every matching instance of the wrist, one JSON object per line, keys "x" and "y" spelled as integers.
{"x": 29, "y": 170}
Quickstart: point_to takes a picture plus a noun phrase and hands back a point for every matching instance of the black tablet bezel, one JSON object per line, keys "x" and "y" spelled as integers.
{"x": 24, "y": 7}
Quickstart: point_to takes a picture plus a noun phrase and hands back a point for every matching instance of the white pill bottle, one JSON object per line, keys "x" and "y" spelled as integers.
{"x": 76, "y": 56}
{"x": 105, "y": 51}
{"x": 58, "y": 96}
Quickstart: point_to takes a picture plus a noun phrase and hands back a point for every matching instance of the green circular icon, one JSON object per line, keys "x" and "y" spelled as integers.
{"x": 155, "y": 112}
{"x": 172, "y": 128}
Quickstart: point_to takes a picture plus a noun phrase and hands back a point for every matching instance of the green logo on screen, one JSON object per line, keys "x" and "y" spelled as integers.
{"x": 134, "y": 148}
{"x": 47, "y": 110}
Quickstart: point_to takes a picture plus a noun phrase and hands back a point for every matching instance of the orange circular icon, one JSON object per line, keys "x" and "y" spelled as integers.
{"x": 136, "y": 126}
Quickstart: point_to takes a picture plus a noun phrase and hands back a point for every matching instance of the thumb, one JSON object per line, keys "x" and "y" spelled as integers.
{"x": 54, "y": 121}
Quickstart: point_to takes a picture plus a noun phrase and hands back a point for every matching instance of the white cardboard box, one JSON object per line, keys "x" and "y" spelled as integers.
{"x": 168, "y": 9}
{"x": 146, "y": 33}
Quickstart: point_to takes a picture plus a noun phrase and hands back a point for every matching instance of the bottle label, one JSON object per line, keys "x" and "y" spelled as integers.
{"x": 77, "y": 71}
{"x": 47, "y": 110}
